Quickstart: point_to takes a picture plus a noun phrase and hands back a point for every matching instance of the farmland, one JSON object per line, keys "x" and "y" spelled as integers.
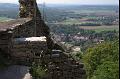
{"x": 2, "y": 19}
{"x": 101, "y": 28}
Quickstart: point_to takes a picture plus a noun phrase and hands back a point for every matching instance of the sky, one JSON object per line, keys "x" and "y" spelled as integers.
{"x": 82, "y": 2}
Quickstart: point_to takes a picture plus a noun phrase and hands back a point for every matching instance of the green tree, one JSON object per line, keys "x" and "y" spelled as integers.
{"x": 38, "y": 71}
{"x": 108, "y": 70}
{"x": 98, "y": 55}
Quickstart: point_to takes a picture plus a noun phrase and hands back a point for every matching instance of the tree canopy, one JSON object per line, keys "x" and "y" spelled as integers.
{"x": 102, "y": 61}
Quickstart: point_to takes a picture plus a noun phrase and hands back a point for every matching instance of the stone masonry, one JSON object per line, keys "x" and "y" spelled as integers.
{"x": 28, "y": 40}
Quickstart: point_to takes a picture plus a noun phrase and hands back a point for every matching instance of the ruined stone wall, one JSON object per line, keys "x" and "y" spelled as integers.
{"x": 5, "y": 41}
{"x": 20, "y": 29}
{"x": 28, "y": 29}
{"x": 25, "y": 51}
{"x": 24, "y": 30}
{"x": 62, "y": 66}
{"x": 29, "y": 9}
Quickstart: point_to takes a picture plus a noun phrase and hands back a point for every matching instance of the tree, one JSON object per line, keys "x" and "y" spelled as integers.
{"x": 108, "y": 70}
{"x": 97, "y": 56}
{"x": 38, "y": 71}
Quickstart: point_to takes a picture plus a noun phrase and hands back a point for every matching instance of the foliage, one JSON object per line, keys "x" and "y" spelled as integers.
{"x": 108, "y": 70}
{"x": 69, "y": 29}
{"x": 103, "y": 56}
{"x": 38, "y": 71}
{"x": 90, "y": 24}
{"x": 77, "y": 55}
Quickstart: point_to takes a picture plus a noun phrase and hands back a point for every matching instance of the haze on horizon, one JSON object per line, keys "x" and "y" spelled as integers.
{"x": 80, "y": 2}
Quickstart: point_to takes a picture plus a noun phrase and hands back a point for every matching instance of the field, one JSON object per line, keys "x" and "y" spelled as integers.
{"x": 2, "y": 19}
{"x": 70, "y": 21}
{"x": 101, "y": 28}
{"x": 88, "y": 11}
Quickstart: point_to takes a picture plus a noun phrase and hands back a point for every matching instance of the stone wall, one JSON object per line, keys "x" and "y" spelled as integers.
{"x": 20, "y": 29}
{"x": 5, "y": 41}
{"x": 15, "y": 72}
{"x": 28, "y": 29}
{"x": 29, "y": 9}
{"x": 63, "y": 66}
{"x": 16, "y": 39}
{"x": 27, "y": 50}
{"x": 24, "y": 30}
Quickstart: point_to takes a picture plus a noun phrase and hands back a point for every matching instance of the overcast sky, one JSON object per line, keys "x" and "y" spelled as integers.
{"x": 108, "y": 2}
